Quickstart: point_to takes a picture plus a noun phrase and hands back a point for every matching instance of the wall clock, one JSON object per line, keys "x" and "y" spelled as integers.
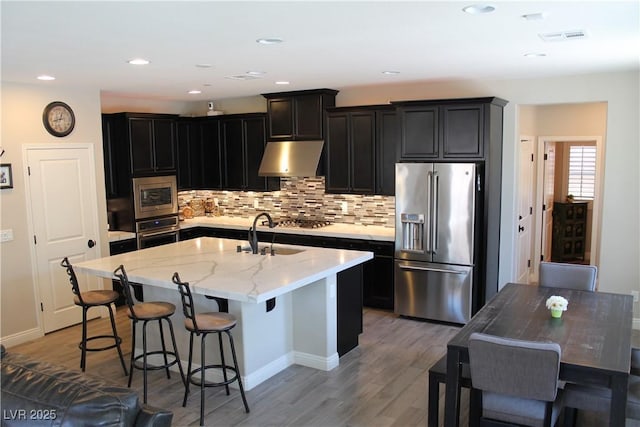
{"x": 58, "y": 119}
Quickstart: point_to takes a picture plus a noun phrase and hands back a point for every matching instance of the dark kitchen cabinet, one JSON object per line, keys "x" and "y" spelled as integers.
{"x": 349, "y": 308}
{"x": 378, "y": 276}
{"x": 244, "y": 140}
{"x": 137, "y": 144}
{"x": 455, "y": 129}
{"x": 387, "y": 137}
{"x": 350, "y": 148}
{"x": 298, "y": 115}
{"x": 152, "y": 145}
{"x": 361, "y": 148}
{"x": 199, "y": 148}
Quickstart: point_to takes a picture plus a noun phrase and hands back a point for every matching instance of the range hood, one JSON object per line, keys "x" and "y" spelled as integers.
{"x": 291, "y": 158}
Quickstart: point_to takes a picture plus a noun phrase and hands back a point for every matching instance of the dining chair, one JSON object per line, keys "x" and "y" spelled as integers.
{"x": 598, "y": 399}
{"x": 517, "y": 380}
{"x": 570, "y": 276}
{"x": 87, "y": 300}
{"x": 203, "y": 324}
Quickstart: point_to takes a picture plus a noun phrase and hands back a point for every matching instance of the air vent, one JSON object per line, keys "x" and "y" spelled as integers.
{"x": 563, "y": 36}
{"x": 243, "y": 77}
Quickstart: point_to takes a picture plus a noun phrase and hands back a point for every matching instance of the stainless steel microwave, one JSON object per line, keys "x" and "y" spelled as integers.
{"x": 155, "y": 196}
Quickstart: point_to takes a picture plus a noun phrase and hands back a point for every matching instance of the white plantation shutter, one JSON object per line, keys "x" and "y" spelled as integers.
{"x": 582, "y": 171}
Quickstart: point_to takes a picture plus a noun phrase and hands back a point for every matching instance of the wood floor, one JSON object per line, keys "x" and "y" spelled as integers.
{"x": 383, "y": 382}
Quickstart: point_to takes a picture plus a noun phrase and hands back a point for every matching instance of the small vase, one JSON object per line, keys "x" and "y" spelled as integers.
{"x": 556, "y": 313}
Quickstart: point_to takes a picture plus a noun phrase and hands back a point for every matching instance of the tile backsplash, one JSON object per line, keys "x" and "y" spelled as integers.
{"x": 301, "y": 198}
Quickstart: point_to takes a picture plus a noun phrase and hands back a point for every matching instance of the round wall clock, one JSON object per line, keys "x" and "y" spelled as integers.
{"x": 58, "y": 119}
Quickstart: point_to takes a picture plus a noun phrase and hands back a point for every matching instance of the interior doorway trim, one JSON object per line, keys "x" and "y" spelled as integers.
{"x": 597, "y": 202}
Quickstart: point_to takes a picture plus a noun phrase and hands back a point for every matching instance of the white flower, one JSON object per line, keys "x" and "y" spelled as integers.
{"x": 556, "y": 302}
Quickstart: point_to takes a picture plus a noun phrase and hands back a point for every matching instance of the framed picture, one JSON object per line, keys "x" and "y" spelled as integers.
{"x": 6, "y": 178}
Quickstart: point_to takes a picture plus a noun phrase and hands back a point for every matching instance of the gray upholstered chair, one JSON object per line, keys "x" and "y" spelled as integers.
{"x": 570, "y": 276}
{"x": 518, "y": 380}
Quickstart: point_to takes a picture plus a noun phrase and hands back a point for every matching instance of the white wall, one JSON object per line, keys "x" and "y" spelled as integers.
{"x": 620, "y": 252}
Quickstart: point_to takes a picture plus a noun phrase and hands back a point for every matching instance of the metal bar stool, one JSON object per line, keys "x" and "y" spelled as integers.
{"x": 203, "y": 324}
{"x": 147, "y": 312}
{"x": 86, "y": 300}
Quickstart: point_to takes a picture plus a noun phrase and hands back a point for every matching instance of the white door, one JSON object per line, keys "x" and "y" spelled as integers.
{"x": 547, "y": 198}
{"x": 525, "y": 211}
{"x": 64, "y": 219}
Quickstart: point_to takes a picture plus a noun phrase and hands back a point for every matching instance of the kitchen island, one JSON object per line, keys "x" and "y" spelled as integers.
{"x": 285, "y": 303}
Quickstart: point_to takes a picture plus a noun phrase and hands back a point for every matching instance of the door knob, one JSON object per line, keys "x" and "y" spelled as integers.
{"x": 91, "y": 243}
{"x": 520, "y": 228}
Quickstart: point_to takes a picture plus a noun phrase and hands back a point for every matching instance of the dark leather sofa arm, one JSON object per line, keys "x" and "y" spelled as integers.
{"x": 36, "y": 393}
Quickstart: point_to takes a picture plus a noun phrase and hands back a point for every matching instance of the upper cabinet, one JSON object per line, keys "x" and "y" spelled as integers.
{"x": 137, "y": 144}
{"x": 298, "y": 115}
{"x": 200, "y": 153}
{"x": 456, "y": 129}
{"x": 243, "y": 136}
{"x": 360, "y": 145}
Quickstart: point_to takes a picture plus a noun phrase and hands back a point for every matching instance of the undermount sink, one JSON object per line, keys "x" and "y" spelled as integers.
{"x": 277, "y": 250}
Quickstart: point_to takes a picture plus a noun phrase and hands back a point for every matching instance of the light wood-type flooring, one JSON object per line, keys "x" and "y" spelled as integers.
{"x": 383, "y": 382}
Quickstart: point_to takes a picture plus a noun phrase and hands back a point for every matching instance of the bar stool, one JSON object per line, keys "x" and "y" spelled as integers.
{"x": 147, "y": 312}
{"x": 86, "y": 300}
{"x": 203, "y": 324}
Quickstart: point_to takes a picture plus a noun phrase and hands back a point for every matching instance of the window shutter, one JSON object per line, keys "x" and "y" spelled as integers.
{"x": 582, "y": 171}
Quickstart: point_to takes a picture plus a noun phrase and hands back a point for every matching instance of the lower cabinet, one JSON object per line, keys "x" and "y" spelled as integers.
{"x": 349, "y": 302}
{"x": 120, "y": 247}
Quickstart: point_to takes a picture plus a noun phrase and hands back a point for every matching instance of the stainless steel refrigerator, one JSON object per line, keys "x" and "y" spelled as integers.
{"x": 434, "y": 242}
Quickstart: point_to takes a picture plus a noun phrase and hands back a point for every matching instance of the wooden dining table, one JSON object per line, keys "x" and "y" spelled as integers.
{"x": 594, "y": 335}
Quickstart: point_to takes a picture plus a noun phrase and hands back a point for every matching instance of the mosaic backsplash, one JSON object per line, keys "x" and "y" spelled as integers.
{"x": 300, "y": 198}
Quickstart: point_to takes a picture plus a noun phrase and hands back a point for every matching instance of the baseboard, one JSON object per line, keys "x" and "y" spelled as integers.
{"x": 636, "y": 323}
{"x": 21, "y": 337}
{"x": 316, "y": 362}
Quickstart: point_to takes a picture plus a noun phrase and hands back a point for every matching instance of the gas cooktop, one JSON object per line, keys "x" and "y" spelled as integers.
{"x": 301, "y": 223}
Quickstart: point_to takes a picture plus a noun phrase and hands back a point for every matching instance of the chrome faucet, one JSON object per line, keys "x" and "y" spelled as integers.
{"x": 253, "y": 235}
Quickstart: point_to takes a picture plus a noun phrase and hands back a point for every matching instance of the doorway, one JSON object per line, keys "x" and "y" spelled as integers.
{"x": 575, "y": 124}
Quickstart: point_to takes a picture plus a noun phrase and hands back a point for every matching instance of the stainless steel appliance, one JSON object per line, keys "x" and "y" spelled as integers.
{"x": 291, "y": 158}
{"x": 157, "y": 231}
{"x": 434, "y": 243}
{"x": 155, "y": 196}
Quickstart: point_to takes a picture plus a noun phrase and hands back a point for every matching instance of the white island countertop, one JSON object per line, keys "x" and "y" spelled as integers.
{"x": 346, "y": 231}
{"x": 213, "y": 267}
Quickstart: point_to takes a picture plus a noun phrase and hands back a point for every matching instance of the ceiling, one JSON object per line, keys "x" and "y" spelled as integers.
{"x": 325, "y": 44}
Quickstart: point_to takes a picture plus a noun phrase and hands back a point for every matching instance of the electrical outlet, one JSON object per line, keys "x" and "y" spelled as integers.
{"x": 636, "y": 296}
{"x": 6, "y": 235}
{"x": 344, "y": 207}
{"x": 255, "y": 203}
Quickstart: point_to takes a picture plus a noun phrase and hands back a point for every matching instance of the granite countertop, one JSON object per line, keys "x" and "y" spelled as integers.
{"x": 349, "y": 231}
{"x": 214, "y": 267}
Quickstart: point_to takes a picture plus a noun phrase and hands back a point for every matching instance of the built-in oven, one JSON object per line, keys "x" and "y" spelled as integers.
{"x": 157, "y": 231}
{"x": 155, "y": 196}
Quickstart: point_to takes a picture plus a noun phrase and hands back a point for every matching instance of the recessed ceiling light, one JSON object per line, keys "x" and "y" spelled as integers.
{"x": 534, "y": 16}
{"x": 256, "y": 73}
{"x": 195, "y": 92}
{"x": 477, "y": 9}
{"x": 45, "y": 77}
{"x": 535, "y": 54}
{"x": 269, "y": 40}
{"x": 282, "y": 82}
{"x": 138, "y": 61}
{"x": 391, "y": 72}
{"x": 204, "y": 65}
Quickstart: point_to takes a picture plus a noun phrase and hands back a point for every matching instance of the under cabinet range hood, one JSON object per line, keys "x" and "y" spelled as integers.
{"x": 291, "y": 158}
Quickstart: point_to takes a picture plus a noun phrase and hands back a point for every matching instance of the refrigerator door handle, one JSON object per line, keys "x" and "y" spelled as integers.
{"x": 437, "y": 270}
{"x": 427, "y": 227}
{"x": 434, "y": 213}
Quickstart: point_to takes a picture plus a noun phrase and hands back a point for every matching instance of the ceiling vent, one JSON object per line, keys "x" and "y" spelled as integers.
{"x": 563, "y": 36}
{"x": 243, "y": 77}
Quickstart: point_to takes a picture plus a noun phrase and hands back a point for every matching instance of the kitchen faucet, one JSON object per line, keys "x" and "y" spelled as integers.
{"x": 253, "y": 235}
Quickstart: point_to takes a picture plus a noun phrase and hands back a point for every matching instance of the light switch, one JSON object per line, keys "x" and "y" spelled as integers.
{"x": 6, "y": 235}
